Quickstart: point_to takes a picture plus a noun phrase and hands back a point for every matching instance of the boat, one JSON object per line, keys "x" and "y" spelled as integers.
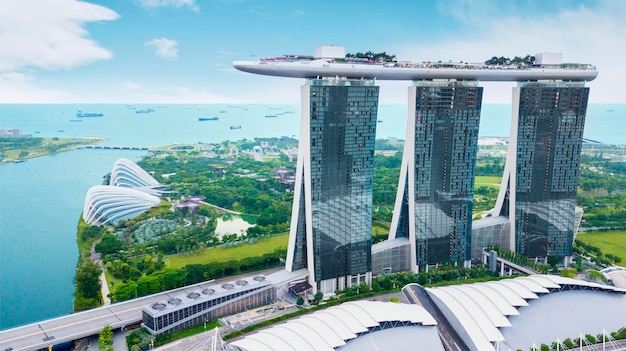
{"x": 610, "y": 110}
{"x": 271, "y": 116}
{"x": 380, "y": 121}
{"x": 223, "y": 111}
{"x": 37, "y": 132}
{"x": 215, "y": 118}
{"x": 235, "y": 127}
{"x": 82, "y": 114}
{"x": 61, "y": 131}
{"x": 147, "y": 110}
{"x": 76, "y": 120}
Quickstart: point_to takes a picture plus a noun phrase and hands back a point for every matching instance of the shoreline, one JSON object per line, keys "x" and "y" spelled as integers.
{"x": 63, "y": 144}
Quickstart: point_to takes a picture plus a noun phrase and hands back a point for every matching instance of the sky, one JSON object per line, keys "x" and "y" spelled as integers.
{"x": 181, "y": 51}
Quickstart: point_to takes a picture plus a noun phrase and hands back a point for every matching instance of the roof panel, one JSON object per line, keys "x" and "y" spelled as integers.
{"x": 544, "y": 281}
{"x": 513, "y": 298}
{"x": 250, "y": 344}
{"x": 358, "y": 312}
{"x": 294, "y": 340}
{"x": 316, "y": 341}
{"x": 519, "y": 289}
{"x": 272, "y": 341}
{"x": 501, "y": 303}
{"x": 477, "y": 312}
{"x": 343, "y": 330}
{"x": 533, "y": 285}
{"x": 323, "y": 329}
{"x": 469, "y": 324}
{"x": 348, "y": 319}
{"x": 489, "y": 307}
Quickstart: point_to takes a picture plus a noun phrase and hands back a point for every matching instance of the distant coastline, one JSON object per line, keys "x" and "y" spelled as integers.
{"x": 20, "y": 149}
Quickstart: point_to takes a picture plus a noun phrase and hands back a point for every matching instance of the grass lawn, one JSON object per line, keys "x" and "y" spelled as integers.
{"x": 220, "y": 254}
{"x": 487, "y": 181}
{"x": 379, "y": 229}
{"x": 609, "y": 242}
{"x": 111, "y": 278}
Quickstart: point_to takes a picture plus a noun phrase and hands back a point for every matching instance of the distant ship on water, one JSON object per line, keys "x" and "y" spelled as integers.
{"x": 235, "y": 127}
{"x": 215, "y": 118}
{"x": 82, "y": 114}
{"x": 147, "y": 110}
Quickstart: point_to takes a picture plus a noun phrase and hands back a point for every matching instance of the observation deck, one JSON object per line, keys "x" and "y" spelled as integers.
{"x": 362, "y": 69}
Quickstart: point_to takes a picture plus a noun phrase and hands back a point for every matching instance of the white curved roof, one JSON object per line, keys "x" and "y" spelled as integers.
{"x": 501, "y": 303}
{"x": 522, "y": 290}
{"x": 476, "y": 334}
{"x": 332, "y": 327}
{"x": 481, "y": 308}
{"x": 498, "y": 319}
{"x": 127, "y": 174}
{"x": 340, "y": 327}
{"x": 296, "y": 340}
{"x": 513, "y": 298}
{"x": 532, "y": 285}
{"x": 108, "y": 204}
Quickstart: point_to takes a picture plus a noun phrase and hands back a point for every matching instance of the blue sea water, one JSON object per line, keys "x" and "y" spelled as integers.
{"x": 41, "y": 200}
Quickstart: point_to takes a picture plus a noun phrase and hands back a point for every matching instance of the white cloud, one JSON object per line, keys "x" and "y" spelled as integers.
{"x": 49, "y": 34}
{"x": 582, "y": 34}
{"x": 165, "y": 48}
{"x": 174, "y": 3}
{"x": 18, "y": 88}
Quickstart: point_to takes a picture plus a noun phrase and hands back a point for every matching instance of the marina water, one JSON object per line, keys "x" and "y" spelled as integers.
{"x": 42, "y": 199}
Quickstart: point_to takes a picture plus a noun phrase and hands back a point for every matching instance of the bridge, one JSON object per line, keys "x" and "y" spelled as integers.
{"x": 114, "y": 147}
{"x": 80, "y": 325}
{"x": 506, "y": 267}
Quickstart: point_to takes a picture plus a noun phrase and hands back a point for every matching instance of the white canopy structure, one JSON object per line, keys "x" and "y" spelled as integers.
{"x": 502, "y": 312}
{"x": 335, "y": 327}
{"x": 106, "y": 204}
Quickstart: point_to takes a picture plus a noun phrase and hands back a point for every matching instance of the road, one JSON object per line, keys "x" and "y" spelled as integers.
{"x": 84, "y": 324}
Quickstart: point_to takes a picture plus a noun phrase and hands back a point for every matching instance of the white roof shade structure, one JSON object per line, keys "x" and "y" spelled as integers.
{"x": 334, "y": 327}
{"x": 480, "y": 310}
{"x": 127, "y": 174}
{"x": 106, "y": 204}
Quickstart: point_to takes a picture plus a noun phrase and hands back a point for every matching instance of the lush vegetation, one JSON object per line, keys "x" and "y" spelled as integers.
{"x": 386, "y": 174}
{"x": 373, "y": 56}
{"x": 105, "y": 339}
{"x": 605, "y": 248}
{"x": 14, "y": 148}
{"x": 505, "y": 61}
{"x": 266, "y": 245}
{"x": 88, "y": 294}
{"x": 166, "y": 248}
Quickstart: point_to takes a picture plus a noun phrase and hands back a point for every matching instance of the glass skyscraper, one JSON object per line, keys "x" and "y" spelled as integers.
{"x": 331, "y": 228}
{"x": 435, "y": 194}
{"x": 541, "y": 175}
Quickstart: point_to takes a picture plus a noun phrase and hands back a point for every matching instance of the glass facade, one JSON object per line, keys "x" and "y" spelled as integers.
{"x": 549, "y": 140}
{"x": 490, "y": 231}
{"x": 391, "y": 256}
{"x": 342, "y": 118}
{"x": 447, "y": 117}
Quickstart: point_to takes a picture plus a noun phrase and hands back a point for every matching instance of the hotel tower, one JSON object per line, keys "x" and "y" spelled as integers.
{"x": 436, "y": 188}
{"x": 330, "y": 233}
